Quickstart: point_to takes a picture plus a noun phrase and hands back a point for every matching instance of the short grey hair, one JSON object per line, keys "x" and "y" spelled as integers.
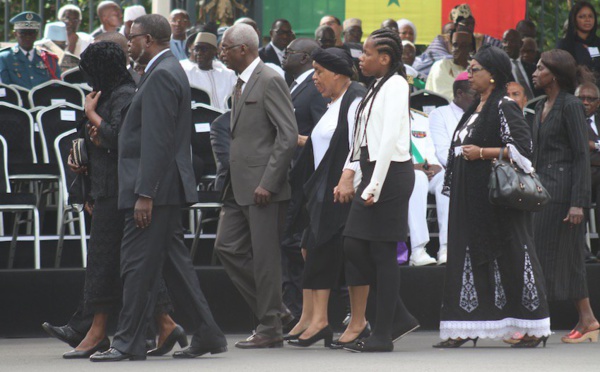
{"x": 67, "y": 8}
{"x": 243, "y": 34}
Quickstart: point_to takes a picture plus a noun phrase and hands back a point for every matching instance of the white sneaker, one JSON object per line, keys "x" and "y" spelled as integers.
{"x": 441, "y": 258}
{"x": 419, "y": 257}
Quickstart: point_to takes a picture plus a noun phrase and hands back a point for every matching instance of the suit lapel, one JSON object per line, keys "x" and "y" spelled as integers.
{"x": 158, "y": 60}
{"x": 303, "y": 86}
{"x": 237, "y": 106}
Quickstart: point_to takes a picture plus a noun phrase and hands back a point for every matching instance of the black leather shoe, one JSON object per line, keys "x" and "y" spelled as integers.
{"x": 402, "y": 330}
{"x": 290, "y": 337}
{"x": 150, "y": 344}
{"x": 177, "y": 335}
{"x": 369, "y": 345}
{"x": 257, "y": 341}
{"x": 84, "y": 354}
{"x": 325, "y": 334}
{"x": 114, "y": 355}
{"x": 366, "y": 332}
{"x": 65, "y": 334}
{"x": 194, "y": 352}
{"x": 286, "y": 317}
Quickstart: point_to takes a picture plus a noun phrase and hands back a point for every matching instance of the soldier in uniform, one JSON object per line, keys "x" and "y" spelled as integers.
{"x": 23, "y": 64}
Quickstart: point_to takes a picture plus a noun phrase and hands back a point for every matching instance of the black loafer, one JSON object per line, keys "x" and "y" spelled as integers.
{"x": 114, "y": 355}
{"x": 65, "y": 334}
{"x": 84, "y": 354}
{"x": 194, "y": 352}
{"x": 177, "y": 335}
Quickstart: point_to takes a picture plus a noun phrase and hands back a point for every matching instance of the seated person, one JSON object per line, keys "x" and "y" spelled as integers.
{"x": 209, "y": 74}
{"x": 408, "y": 57}
{"x": 444, "y": 72}
{"x": 429, "y": 179}
{"x": 55, "y": 41}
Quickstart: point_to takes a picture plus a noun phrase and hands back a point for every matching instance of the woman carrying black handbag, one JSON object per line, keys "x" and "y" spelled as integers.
{"x": 494, "y": 286}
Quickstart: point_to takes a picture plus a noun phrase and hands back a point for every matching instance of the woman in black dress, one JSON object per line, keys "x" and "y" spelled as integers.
{"x": 319, "y": 169}
{"x": 378, "y": 217}
{"x": 581, "y": 40}
{"x": 494, "y": 285}
{"x": 104, "y": 66}
{"x": 562, "y": 160}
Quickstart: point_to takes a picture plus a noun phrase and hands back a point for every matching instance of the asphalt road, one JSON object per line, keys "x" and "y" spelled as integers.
{"x": 413, "y": 353}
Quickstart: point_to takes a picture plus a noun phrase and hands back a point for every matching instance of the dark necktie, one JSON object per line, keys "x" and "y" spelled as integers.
{"x": 237, "y": 91}
{"x": 27, "y": 55}
{"x": 591, "y": 125}
{"x": 522, "y": 80}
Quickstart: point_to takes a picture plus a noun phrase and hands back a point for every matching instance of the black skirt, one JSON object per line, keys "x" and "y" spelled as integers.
{"x": 386, "y": 220}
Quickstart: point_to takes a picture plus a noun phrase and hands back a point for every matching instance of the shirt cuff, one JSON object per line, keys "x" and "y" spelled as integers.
{"x": 373, "y": 188}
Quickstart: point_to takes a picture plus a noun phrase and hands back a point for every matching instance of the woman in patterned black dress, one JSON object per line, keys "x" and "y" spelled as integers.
{"x": 104, "y": 65}
{"x": 494, "y": 286}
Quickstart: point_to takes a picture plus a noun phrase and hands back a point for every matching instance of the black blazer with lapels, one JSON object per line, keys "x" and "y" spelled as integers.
{"x": 154, "y": 142}
{"x": 309, "y": 105}
{"x": 268, "y": 55}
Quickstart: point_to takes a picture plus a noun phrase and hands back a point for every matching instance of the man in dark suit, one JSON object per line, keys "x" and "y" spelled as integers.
{"x": 521, "y": 70}
{"x": 309, "y": 106}
{"x": 263, "y": 139}
{"x": 155, "y": 179}
{"x": 589, "y": 94}
{"x": 281, "y": 36}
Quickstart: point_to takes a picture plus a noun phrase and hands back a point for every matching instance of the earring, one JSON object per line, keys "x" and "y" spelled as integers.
{"x": 492, "y": 81}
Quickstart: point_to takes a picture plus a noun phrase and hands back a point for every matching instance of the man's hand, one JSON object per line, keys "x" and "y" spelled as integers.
{"x": 262, "y": 197}
{"x": 302, "y": 140}
{"x": 344, "y": 191}
{"x": 142, "y": 212}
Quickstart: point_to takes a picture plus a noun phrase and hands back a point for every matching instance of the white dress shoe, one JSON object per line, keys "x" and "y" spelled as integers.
{"x": 419, "y": 257}
{"x": 441, "y": 258}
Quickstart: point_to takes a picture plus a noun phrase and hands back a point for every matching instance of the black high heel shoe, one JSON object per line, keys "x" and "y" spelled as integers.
{"x": 366, "y": 332}
{"x": 455, "y": 343}
{"x": 290, "y": 337}
{"x": 177, "y": 335}
{"x": 325, "y": 334}
{"x": 530, "y": 342}
{"x": 84, "y": 354}
{"x": 370, "y": 345}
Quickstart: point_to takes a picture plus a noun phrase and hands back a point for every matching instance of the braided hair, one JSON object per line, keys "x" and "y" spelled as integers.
{"x": 103, "y": 64}
{"x": 386, "y": 41}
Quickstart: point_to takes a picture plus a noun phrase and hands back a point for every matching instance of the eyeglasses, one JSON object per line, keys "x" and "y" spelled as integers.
{"x": 472, "y": 70}
{"x": 588, "y": 98}
{"x": 131, "y": 37}
{"x": 225, "y": 49}
{"x": 289, "y": 52}
{"x": 283, "y": 32}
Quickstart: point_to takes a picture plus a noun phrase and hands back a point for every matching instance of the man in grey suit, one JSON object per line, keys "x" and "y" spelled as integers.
{"x": 263, "y": 139}
{"x": 155, "y": 180}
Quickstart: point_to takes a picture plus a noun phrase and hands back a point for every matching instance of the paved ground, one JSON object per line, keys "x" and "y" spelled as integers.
{"x": 414, "y": 353}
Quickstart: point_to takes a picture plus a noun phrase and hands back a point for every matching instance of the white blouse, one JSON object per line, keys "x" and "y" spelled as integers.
{"x": 323, "y": 132}
{"x": 387, "y": 136}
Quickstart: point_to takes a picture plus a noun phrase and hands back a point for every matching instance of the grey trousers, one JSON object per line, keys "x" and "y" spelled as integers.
{"x": 247, "y": 243}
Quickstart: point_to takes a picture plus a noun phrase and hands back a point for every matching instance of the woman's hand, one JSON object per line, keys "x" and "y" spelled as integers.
{"x": 344, "y": 191}
{"x": 91, "y": 102}
{"x": 75, "y": 168}
{"x": 302, "y": 140}
{"x": 470, "y": 152}
{"x": 94, "y": 136}
{"x": 575, "y": 216}
{"x": 370, "y": 200}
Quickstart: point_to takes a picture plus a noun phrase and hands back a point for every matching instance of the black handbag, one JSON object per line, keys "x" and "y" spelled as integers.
{"x": 511, "y": 187}
{"x": 80, "y": 155}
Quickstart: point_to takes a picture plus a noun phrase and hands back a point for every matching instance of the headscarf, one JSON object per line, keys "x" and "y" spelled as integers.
{"x": 497, "y": 62}
{"x": 405, "y": 22}
{"x": 460, "y": 12}
{"x": 103, "y": 66}
{"x": 336, "y": 60}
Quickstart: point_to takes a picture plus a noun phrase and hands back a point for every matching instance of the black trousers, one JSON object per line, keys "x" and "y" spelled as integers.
{"x": 144, "y": 252}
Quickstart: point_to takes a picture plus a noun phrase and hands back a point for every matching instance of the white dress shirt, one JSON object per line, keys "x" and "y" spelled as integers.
{"x": 442, "y": 124}
{"x": 300, "y": 79}
{"x": 218, "y": 82}
{"x": 247, "y": 73}
{"x": 593, "y": 123}
{"x": 154, "y": 59}
{"x": 387, "y": 135}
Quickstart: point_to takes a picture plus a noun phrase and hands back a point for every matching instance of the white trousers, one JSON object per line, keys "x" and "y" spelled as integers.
{"x": 417, "y": 210}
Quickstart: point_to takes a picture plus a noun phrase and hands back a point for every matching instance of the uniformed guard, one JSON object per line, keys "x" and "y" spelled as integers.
{"x": 23, "y": 64}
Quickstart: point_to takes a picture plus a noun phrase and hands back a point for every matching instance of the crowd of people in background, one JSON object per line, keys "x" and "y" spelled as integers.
{"x": 325, "y": 171}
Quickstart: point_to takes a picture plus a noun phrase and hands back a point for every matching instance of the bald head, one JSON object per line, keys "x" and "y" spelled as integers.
{"x": 115, "y": 37}
{"x": 298, "y": 56}
{"x": 239, "y": 47}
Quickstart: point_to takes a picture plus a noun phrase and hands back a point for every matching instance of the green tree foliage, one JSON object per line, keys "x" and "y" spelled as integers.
{"x": 50, "y": 11}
